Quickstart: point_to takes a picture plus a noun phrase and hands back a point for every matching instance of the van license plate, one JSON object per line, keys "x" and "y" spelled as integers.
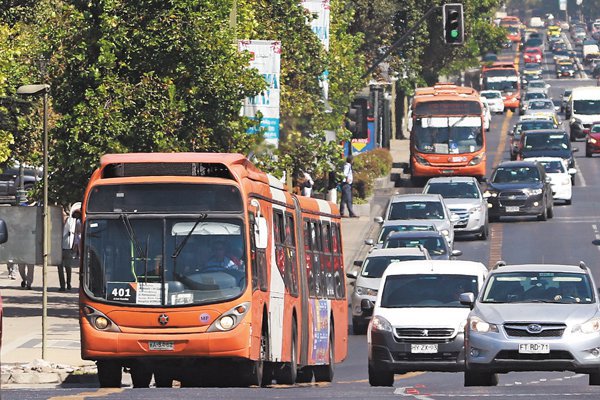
{"x": 424, "y": 348}
{"x": 161, "y": 346}
{"x": 512, "y": 209}
{"x": 534, "y": 348}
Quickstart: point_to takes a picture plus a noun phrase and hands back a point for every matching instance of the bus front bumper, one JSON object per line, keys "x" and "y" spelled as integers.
{"x": 421, "y": 170}
{"x": 97, "y": 344}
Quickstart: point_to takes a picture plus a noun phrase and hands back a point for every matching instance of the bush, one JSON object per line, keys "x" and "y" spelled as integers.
{"x": 367, "y": 167}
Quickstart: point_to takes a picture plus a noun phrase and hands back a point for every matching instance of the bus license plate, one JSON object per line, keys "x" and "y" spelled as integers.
{"x": 161, "y": 346}
{"x": 424, "y": 348}
{"x": 448, "y": 171}
{"x": 534, "y": 348}
{"x": 512, "y": 209}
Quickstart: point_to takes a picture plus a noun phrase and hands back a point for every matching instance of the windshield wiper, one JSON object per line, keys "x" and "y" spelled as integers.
{"x": 136, "y": 244}
{"x": 189, "y": 234}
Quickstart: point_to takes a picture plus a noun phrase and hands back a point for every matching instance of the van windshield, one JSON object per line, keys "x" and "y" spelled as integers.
{"x": 586, "y": 107}
{"x": 427, "y": 290}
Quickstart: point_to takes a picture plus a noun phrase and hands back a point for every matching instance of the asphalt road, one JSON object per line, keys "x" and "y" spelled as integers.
{"x": 572, "y": 235}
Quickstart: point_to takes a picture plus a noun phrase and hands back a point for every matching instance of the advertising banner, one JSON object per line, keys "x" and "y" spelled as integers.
{"x": 266, "y": 58}
{"x": 320, "y": 9}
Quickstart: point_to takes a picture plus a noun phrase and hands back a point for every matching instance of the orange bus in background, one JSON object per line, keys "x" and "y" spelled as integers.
{"x": 159, "y": 298}
{"x": 513, "y": 26}
{"x": 447, "y": 135}
{"x": 504, "y": 77}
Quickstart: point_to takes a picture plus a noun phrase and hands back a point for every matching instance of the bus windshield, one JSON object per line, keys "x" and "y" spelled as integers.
{"x": 165, "y": 261}
{"x": 455, "y": 135}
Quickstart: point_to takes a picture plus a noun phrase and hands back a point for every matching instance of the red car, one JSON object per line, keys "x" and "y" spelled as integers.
{"x": 592, "y": 142}
{"x": 532, "y": 55}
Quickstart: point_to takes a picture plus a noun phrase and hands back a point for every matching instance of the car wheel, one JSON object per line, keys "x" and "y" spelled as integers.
{"x": 594, "y": 378}
{"x": 588, "y": 153}
{"x": 573, "y": 180}
{"x": 551, "y": 211}
{"x": 569, "y": 202}
{"x": 378, "y": 377}
{"x": 359, "y": 327}
{"x": 480, "y": 378}
{"x": 544, "y": 215}
{"x": 485, "y": 232}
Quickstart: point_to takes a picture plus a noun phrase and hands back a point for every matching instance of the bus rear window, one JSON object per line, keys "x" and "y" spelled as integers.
{"x": 164, "y": 197}
{"x": 449, "y": 107}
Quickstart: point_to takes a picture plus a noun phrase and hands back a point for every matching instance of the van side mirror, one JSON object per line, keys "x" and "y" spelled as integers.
{"x": 467, "y": 299}
{"x": 456, "y": 253}
{"x": 572, "y": 171}
{"x": 367, "y": 306}
{"x": 379, "y": 220}
{"x": 3, "y": 231}
{"x": 369, "y": 242}
{"x": 352, "y": 274}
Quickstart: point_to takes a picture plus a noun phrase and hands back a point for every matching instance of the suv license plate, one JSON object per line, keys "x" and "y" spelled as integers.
{"x": 512, "y": 209}
{"x": 534, "y": 348}
{"x": 424, "y": 348}
{"x": 161, "y": 346}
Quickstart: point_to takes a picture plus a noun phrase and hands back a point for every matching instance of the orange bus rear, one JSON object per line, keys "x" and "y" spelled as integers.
{"x": 504, "y": 77}
{"x": 200, "y": 268}
{"x": 447, "y": 134}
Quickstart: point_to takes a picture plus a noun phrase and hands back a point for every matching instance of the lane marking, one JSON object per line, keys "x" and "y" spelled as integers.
{"x": 582, "y": 182}
{"x": 412, "y": 392}
{"x": 396, "y": 378}
{"x": 84, "y": 395}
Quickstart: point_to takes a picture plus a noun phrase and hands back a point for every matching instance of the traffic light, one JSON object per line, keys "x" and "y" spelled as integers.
{"x": 356, "y": 119}
{"x": 454, "y": 30}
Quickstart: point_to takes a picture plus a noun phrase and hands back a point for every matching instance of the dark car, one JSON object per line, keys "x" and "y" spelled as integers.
{"x": 435, "y": 242}
{"x": 518, "y": 188}
{"x": 531, "y": 95}
{"x": 10, "y": 182}
{"x": 565, "y": 70}
{"x": 522, "y": 126}
{"x": 547, "y": 143}
{"x": 592, "y": 142}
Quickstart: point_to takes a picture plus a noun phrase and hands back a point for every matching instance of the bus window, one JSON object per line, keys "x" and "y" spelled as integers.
{"x": 338, "y": 266}
{"x": 291, "y": 262}
{"x": 327, "y": 261}
{"x": 308, "y": 246}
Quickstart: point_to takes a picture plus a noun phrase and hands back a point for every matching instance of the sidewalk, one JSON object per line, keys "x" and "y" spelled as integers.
{"x": 22, "y": 331}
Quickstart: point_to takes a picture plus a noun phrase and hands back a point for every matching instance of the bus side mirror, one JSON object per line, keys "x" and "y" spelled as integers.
{"x": 261, "y": 233}
{"x": 3, "y": 231}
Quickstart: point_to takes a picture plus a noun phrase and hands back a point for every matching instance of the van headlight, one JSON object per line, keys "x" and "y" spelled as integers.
{"x": 591, "y": 326}
{"x": 380, "y": 324}
{"x": 364, "y": 291}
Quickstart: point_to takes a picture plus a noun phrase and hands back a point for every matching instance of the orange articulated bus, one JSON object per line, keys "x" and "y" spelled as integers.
{"x": 200, "y": 268}
{"x": 504, "y": 77}
{"x": 447, "y": 136}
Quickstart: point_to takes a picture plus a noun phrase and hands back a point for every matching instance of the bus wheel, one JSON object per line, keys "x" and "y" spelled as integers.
{"x": 289, "y": 372}
{"x": 304, "y": 375}
{"x": 141, "y": 375}
{"x": 163, "y": 378}
{"x": 109, "y": 374}
{"x": 257, "y": 374}
{"x": 324, "y": 373}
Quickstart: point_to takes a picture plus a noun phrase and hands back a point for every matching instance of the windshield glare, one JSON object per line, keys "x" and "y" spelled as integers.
{"x": 386, "y": 230}
{"x": 546, "y": 142}
{"x": 454, "y": 140}
{"x": 426, "y": 290}
{"x": 454, "y": 190}
{"x": 146, "y": 262}
{"x": 375, "y": 266}
{"x": 538, "y": 287}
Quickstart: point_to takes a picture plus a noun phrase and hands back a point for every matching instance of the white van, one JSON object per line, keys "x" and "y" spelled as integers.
{"x": 418, "y": 322}
{"x": 583, "y": 109}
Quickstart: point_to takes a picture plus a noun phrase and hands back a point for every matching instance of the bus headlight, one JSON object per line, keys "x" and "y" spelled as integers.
{"x": 101, "y": 323}
{"x": 477, "y": 159}
{"x": 421, "y": 160}
{"x": 99, "y": 320}
{"x": 230, "y": 319}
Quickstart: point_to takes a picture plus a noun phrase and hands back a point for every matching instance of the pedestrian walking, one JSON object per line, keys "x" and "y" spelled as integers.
{"x": 307, "y": 185}
{"x": 26, "y": 272}
{"x": 70, "y": 246}
{"x": 346, "y": 200}
{"x": 12, "y": 270}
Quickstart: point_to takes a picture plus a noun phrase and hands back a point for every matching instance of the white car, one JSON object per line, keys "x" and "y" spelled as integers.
{"x": 464, "y": 197}
{"x": 410, "y": 208}
{"x": 487, "y": 115}
{"x": 539, "y": 84}
{"x": 368, "y": 278}
{"x": 418, "y": 321}
{"x": 494, "y": 100}
{"x": 540, "y": 106}
{"x": 560, "y": 175}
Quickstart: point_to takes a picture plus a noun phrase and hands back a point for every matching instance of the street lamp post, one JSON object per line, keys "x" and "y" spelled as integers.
{"x": 34, "y": 90}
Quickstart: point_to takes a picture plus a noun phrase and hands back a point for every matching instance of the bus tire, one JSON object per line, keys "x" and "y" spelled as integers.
{"x": 163, "y": 378}
{"x": 255, "y": 370}
{"x": 289, "y": 372}
{"x": 141, "y": 375}
{"x": 304, "y": 375}
{"x": 109, "y": 374}
{"x": 324, "y": 373}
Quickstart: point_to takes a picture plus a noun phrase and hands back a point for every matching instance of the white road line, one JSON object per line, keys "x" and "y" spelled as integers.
{"x": 582, "y": 182}
{"x": 401, "y": 391}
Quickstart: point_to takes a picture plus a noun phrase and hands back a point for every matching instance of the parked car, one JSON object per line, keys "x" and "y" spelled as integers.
{"x": 435, "y": 243}
{"x": 535, "y": 317}
{"x": 463, "y": 197}
{"x": 368, "y": 278}
{"x": 10, "y": 182}
{"x": 388, "y": 227}
{"x": 519, "y": 188}
{"x": 560, "y": 177}
{"x": 494, "y": 100}
{"x": 418, "y": 323}
{"x": 423, "y": 207}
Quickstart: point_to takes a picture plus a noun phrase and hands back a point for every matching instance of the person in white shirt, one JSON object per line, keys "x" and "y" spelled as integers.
{"x": 346, "y": 200}
{"x": 307, "y": 185}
